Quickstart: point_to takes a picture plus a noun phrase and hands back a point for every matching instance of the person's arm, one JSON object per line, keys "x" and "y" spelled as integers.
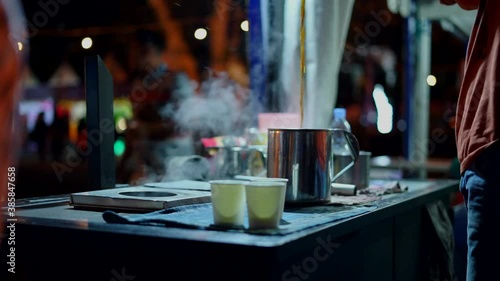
{"x": 464, "y": 4}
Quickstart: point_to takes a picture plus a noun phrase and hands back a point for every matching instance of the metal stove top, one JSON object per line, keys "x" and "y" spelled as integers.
{"x": 143, "y": 198}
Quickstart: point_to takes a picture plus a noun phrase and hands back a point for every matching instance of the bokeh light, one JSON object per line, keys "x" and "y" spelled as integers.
{"x": 200, "y": 33}
{"x": 119, "y": 147}
{"x": 244, "y": 26}
{"x": 87, "y": 43}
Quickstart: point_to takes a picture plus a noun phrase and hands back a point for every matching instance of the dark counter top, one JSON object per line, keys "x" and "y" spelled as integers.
{"x": 56, "y": 242}
{"x": 62, "y": 215}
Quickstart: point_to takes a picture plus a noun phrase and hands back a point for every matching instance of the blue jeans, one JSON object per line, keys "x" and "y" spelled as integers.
{"x": 480, "y": 186}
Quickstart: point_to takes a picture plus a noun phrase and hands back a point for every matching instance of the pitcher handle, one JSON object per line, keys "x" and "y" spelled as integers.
{"x": 353, "y": 145}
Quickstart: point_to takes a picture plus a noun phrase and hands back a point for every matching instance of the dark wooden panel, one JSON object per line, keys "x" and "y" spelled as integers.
{"x": 366, "y": 254}
{"x": 375, "y": 260}
{"x": 321, "y": 257}
{"x": 407, "y": 235}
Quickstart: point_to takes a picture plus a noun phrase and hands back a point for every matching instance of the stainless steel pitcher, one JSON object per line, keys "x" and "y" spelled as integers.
{"x": 305, "y": 157}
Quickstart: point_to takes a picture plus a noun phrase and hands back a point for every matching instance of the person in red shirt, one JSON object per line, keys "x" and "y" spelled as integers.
{"x": 477, "y": 134}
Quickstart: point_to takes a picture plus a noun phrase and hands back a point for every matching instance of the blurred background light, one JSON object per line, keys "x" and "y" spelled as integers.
{"x": 384, "y": 110}
{"x": 87, "y": 43}
{"x": 431, "y": 80}
{"x": 200, "y": 33}
{"x": 121, "y": 125}
{"x": 119, "y": 147}
{"x": 244, "y": 25}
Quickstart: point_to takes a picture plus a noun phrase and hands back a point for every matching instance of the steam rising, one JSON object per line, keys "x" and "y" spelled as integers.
{"x": 223, "y": 108}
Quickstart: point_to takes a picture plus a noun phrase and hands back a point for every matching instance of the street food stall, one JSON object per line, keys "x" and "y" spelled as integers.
{"x": 387, "y": 239}
{"x": 291, "y": 220}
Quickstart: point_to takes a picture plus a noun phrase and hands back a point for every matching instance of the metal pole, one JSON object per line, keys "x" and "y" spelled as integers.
{"x": 409, "y": 67}
{"x": 258, "y": 53}
{"x": 420, "y": 103}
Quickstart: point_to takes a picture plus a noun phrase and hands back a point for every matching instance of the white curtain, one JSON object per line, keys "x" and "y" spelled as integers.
{"x": 327, "y": 23}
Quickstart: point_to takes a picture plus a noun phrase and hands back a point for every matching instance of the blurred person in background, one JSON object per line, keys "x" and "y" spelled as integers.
{"x": 153, "y": 136}
{"x": 477, "y": 137}
{"x": 59, "y": 133}
{"x": 12, "y": 35}
{"x": 82, "y": 134}
{"x": 39, "y": 135}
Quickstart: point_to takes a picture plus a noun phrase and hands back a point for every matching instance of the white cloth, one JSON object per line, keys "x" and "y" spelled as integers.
{"x": 327, "y": 24}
